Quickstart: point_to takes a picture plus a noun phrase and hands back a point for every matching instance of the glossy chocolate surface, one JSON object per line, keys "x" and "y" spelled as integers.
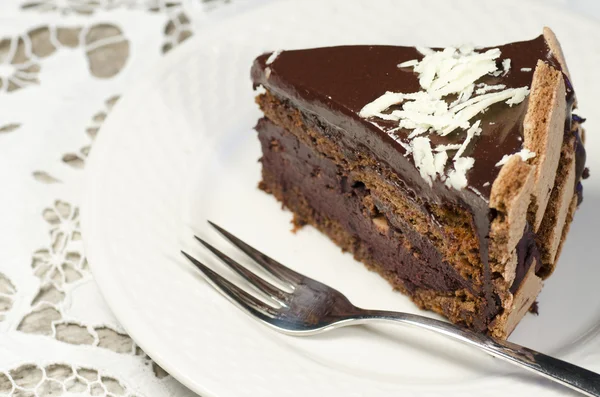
{"x": 337, "y": 82}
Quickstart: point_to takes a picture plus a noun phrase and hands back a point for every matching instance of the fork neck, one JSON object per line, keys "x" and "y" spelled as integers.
{"x": 431, "y": 324}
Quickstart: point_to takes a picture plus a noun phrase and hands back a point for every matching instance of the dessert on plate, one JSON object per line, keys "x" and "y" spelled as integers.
{"x": 452, "y": 172}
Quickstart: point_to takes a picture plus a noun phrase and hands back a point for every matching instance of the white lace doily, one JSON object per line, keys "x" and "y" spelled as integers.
{"x": 63, "y": 66}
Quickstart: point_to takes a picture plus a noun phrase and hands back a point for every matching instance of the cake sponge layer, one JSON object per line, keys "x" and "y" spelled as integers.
{"x": 324, "y": 195}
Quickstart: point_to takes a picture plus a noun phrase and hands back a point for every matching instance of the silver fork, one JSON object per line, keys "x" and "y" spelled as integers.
{"x": 303, "y": 306}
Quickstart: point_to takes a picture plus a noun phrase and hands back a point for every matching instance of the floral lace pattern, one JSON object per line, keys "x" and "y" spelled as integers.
{"x": 77, "y": 159}
{"x": 88, "y": 7}
{"x": 7, "y": 290}
{"x": 57, "y": 379}
{"x": 9, "y": 128}
{"x": 59, "y": 79}
{"x": 103, "y": 45}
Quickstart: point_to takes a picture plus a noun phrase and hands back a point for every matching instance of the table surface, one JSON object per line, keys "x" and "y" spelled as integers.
{"x": 63, "y": 66}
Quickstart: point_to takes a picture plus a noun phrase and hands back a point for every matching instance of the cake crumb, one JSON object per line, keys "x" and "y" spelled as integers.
{"x": 381, "y": 224}
{"x": 297, "y": 222}
{"x": 274, "y": 146}
{"x": 534, "y": 309}
{"x": 263, "y": 186}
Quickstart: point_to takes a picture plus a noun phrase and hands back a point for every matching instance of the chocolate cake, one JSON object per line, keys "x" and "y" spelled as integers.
{"x": 452, "y": 172}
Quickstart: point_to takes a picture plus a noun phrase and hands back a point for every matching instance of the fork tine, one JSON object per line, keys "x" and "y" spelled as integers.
{"x": 256, "y": 281}
{"x": 232, "y": 292}
{"x": 273, "y": 267}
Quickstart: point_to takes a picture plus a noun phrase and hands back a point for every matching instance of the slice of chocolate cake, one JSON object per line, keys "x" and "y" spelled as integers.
{"x": 454, "y": 172}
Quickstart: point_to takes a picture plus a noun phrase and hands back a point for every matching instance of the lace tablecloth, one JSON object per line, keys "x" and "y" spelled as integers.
{"x": 63, "y": 66}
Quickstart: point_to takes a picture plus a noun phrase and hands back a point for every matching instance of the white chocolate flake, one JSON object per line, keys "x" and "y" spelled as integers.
{"x": 479, "y": 104}
{"x": 451, "y": 71}
{"x": 408, "y": 64}
{"x": 260, "y": 90}
{"x": 471, "y": 132}
{"x": 273, "y": 57}
{"x": 457, "y": 178}
{"x": 416, "y": 132}
{"x": 484, "y": 88}
{"x": 423, "y": 158}
{"x": 425, "y": 51}
{"x": 520, "y": 95}
{"x": 466, "y": 49}
{"x": 506, "y": 66}
{"x": 443, "y": 148}
{"x": 526, "y": 69}
{"x": 460, "y": 78}
{"x": 524, "y": 154}
{"x": 486, "y": 184}
{"x": 464, "y": 95}
{"x": 380, "y": 104}
{"x": 439, "y": 160}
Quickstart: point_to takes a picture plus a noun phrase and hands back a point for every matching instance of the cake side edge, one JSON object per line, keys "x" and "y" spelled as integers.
{"x": 549, "y": 194}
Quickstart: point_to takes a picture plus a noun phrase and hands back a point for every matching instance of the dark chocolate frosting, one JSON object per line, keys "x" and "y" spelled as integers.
{"x": 344, "y": 79}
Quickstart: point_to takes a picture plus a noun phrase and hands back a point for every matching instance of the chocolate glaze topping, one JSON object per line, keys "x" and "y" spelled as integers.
{"x": 344, "y": 79}
{"x": 335, "y": 83}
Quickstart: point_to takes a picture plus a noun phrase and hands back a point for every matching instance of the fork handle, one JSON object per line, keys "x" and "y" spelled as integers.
{"x": 570, "y": 375}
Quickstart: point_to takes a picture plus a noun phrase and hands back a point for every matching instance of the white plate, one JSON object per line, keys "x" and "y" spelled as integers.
{"x": 179, "y": 149}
